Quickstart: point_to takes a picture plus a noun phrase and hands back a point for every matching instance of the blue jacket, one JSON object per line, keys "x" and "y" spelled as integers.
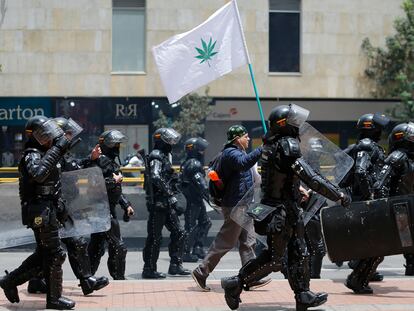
{"x": 237, "y": 175}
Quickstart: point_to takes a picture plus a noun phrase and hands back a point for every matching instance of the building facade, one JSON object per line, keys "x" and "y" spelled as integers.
{"x": 92, "y": 60}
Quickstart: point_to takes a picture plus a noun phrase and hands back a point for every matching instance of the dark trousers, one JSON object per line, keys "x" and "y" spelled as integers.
{"x": 157, "y": 219}
{"x": 116, "y": 250}
{"x": 197, "y": 224}
{"x": 227, "y": 238}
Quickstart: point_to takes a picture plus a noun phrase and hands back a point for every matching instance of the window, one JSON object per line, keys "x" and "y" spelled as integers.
{"x": 284, "y": 35}
{"x": 128, "y": 35}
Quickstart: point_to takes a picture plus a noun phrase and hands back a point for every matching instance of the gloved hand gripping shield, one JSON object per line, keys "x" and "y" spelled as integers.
{"x": 332, "y": 163}
{"x": 84, "y": 196}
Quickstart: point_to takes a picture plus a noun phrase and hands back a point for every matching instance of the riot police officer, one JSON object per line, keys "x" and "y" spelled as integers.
{"x": 161, "y": 205}
{"x": 282, "y": 170}
{"x": 42, "y": 211}
{"x": 195, "y": 189}
{"x": 77, "y": 247}
{"x": 397, "y": 175}
{"x": 109, "y": 142}
{"x": 369, "y": 157}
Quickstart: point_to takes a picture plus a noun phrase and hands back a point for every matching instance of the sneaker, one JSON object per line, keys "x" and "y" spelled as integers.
{"x": 200, "y": 280}
{"x": 258, "y": 284}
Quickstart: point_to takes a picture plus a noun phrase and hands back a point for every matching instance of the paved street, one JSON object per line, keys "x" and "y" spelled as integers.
{"x": 180, "y": 293}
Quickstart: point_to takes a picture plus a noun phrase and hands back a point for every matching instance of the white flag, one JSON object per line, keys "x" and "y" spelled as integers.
{"x": 192, "y": 59}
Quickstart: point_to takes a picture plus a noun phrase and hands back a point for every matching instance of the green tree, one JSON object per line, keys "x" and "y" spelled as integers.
{"x": 190, "y": 122}
{"x": 392, "y": 68}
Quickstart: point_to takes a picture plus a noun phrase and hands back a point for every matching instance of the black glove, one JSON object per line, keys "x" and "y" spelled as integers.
{"x": 62, "y": 143}
{"x": 126, "y": 217}
{"x": 277, "y": 223}
{"x": 345, "y": 200}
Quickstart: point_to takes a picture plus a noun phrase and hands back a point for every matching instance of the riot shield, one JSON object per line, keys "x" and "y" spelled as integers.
{"x": 324, "y": 156}
{"x": 242, "y": 212}
{"x": 85, "y": 196}
{"x": 369, "y": 229}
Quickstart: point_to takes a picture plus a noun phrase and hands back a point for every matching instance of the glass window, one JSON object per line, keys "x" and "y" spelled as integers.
{"x": 128, "y": 35}
{"x": 284, "y": 35}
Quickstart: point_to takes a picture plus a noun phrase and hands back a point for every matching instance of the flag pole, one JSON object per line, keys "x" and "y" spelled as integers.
{"x": 250, "y": 67}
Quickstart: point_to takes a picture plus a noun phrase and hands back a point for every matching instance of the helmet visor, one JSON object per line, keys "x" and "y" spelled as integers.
{"x": 297, "y": 115}
{"x": 114, "y": 137}
{"x": 170, "y": 136}
{"x": 72, "y": 128}
{"x": 48, "y": 131}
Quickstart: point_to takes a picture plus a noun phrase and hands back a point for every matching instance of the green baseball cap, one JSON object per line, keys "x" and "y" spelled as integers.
{"x": 235, "y": 131}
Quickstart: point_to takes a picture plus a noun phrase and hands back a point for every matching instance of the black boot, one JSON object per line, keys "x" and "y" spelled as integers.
{"x": 376, "y": 277}
{"x": 188, "y": 257}
{"x": 177, "y": 269}
{"x": 92, "y": 283}
{"x": 61, "y": 303}
{"x": 199, "y": 252}
{"x": 409, "y": 269}
{"x": 232, "y": 289}
{"x": 357, "y": 286}
{"x": 10, "y": 290}
{"x": 152, "y": 274}
{"x": 37, "y": 286}
{"x": 308, "y": 299}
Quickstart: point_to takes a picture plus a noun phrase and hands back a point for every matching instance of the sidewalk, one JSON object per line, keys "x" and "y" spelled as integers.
{"x": 173, "y": 295}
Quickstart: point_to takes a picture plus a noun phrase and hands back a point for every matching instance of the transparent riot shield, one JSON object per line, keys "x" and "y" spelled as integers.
{"x": 84, "y": 194}
{"x": 244, "y": 212}
{"x": 323, "y": 155}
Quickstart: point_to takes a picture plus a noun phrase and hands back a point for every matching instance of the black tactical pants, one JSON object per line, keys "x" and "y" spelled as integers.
{"x": 197, "y": 224}
{"x": 47, "y": 259}
{"x": 316, "y": 246}
{"x": 116, "y": 251}
{"x": 290, "y": 238}
{"x": 157, "y": 219}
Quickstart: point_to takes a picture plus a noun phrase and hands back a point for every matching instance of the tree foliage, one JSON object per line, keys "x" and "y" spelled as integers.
{"x": 190, "y": 121}
{"x": 392, "y": 67}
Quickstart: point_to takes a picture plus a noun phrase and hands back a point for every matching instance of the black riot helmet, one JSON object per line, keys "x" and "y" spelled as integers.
{"x": 371, "y": 125}
{"x": 110, "y": 142}
{"x": 165, "y": 138}
{"x": 70, "y": 127}
{"x": 285, "y": 120}
{"x": 41, "y": 131}
{"x": 402, "y": 136}
{"x": 195, "y": 146}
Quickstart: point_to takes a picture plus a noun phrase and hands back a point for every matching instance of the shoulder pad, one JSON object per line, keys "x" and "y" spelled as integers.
{"x": 155, "y": 154}
{"x": 290, "y": 147}
{"x": 396, "y": 157}
{"x": 365, "y": 144}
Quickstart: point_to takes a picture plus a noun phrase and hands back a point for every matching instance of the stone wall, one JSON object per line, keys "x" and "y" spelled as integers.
{"x": 63, "y": 48}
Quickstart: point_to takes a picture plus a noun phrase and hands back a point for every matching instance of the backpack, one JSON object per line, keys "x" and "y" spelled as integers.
{"x": 216, "y": 194}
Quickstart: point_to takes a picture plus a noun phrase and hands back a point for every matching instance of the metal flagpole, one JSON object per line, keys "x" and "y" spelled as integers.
{"x": 250, "y": 67}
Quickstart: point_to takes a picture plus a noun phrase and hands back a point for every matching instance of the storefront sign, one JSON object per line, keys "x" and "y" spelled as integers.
{"x": 122, "y": 111}
{"x": 16, "y": 111}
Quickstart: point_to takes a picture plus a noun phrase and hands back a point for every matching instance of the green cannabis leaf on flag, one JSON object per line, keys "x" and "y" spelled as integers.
{"x": 207, "y": 52}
